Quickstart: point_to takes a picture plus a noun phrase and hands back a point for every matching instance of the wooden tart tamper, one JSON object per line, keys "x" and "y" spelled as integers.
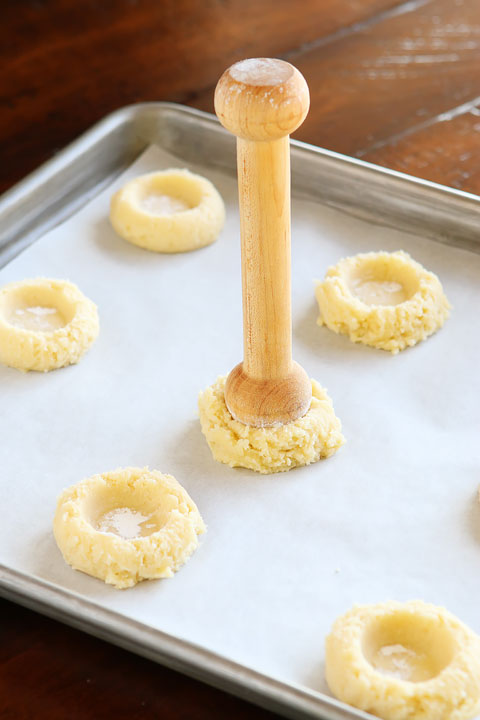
{"x": 261, "y": 101}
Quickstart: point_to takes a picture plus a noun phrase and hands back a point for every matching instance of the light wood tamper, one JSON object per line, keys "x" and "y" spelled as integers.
{"x": 262, "y": 101}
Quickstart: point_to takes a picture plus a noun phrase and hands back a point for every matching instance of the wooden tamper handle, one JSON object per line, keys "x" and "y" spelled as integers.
{"x": 262, "y": 101}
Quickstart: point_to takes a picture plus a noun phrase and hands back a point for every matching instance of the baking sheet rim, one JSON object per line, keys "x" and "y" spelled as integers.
{"x": 173, "y": 652}
{"x": 169, "y": 650}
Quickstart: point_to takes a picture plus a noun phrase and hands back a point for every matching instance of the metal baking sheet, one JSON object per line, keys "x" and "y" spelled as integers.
{"x": 379, "y": 469}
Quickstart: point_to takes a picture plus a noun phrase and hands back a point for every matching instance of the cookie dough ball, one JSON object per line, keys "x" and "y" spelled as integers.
{"x": 168, "y": 211}
{"x": 128, "y": 525}
{"x": 386, "y": 300}
{"x": 273, "y": 449}
{"x": 405, "y": 661}
{"x": 45, "y": 324}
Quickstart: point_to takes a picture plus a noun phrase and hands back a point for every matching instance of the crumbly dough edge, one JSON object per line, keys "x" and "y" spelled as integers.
{"x": 314, "y": 436}
{"x": 180, "y": 232}
{"x": 454, "y": 694}
{"x": 391, "y": 328}
{"x": 125, "y": 562}
{"x": 33, "y": 350}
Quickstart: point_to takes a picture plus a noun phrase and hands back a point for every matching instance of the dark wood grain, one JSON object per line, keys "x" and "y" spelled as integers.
{"x": 394, "y": 82}
{"x": 445, "y": 150}
{"x": 387, "y": 77}
{"x": 66, "y": 65}
{"x": 393, "y": 76}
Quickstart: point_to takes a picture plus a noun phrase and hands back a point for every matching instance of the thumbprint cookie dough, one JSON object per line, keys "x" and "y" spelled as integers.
{"x": 405, "y": 661}
{"x": 168, "y": 211}
{"x": 386, "y": 300}
{"x": 45, "y": 324}
{"x": 273, "y": 449}
{"x": 128, "y": 525}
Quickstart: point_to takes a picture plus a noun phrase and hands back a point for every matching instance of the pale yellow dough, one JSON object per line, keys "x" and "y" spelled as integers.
{"x": 74, "y": 324}
{"x": 405, "y": 661}
{"x": 421, "y": 306}
{"x": 163, "y": 504}
{"x": 274, "y": 449}
{"x": 168, "y": 211}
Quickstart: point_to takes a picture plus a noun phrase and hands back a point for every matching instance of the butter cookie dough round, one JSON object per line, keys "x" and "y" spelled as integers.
{"x": 386, "y": 300}
{"x": 405, "y": 661}
{"x": 168, "y": 211}
{"x": 273, "y": 449}
{"x": 45, "y": 324}
{"x": 127, "y": 525}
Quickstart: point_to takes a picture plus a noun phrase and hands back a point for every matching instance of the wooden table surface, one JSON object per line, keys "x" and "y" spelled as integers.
{"x": 395, "y": 83}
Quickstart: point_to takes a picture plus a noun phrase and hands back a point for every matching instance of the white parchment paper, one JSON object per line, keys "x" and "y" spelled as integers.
{"x": 393, "y": 515}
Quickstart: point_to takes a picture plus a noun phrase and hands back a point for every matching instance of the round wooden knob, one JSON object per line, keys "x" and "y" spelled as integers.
{"x": 269, "y": 401}
{"x": 262, "y": 99}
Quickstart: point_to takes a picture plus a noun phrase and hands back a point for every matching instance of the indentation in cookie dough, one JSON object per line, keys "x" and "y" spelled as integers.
{"x": 402, "y": 646}
{"x": 159, "y": 204}
{"x": 402, "y": 662}
{"x": 127, "y": 525}
{"x": 38, "y": 317}
{"x": 312, "y": 437}
{"x": 378, "y": 280}
{"x": 45, "y": 324}
{"x": 168, "y": 211}
{"x": 386, "y": 300}
{"x": 405, "y": 660}
{"x": 378, "y": 292}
